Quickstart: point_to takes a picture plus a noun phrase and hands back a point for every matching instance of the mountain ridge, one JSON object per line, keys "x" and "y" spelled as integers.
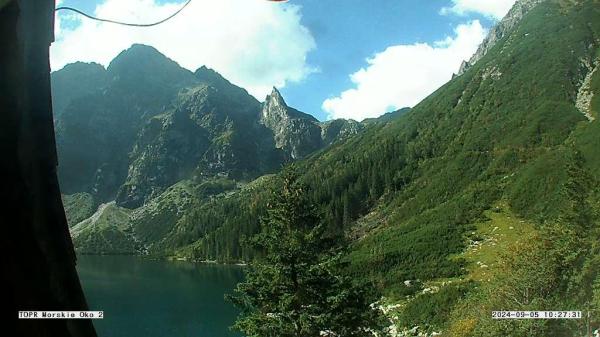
{"x": 154, "y": 123}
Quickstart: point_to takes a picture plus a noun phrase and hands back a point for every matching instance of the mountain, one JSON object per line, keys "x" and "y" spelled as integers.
{"x": 509, "y": 23}
{"x": 74, "y": 81}
{"x": 300, "y": 134}
{"x": 130, "y": 131}
{"x": 483, "y": 196}
{"x": 96, "y": 128}
{"x": 208, "y": 132}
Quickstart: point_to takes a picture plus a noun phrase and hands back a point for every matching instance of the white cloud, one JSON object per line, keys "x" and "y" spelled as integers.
{"x": 495, "y": 9}
{"x": 58, "y": 20}
{"x": 254, "y": 43}
{"x": 403, "y": 75}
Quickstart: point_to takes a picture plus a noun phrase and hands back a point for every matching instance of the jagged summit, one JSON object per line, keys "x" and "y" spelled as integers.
{"x": 144, "y": 65}
{"x": 83, "y": 65}
{"x": 298, "y": 133}
{"x": 74, "y": 81}
{"x": 275, "y": 110}
{"x": 276, "y": 97}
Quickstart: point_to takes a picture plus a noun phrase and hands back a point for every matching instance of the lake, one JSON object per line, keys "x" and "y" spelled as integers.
{"x": 147, "y": 298}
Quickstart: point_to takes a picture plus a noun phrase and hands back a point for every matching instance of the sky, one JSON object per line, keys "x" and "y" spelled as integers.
{"x": 351, "y": 59}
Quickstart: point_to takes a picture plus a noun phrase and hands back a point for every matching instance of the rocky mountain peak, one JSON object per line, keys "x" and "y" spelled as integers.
{"x": 153, "y": 123}
{"x": 142, "y": 65}
{"x": 276, "y": 98}
{"x": 136, "y": 53}
{"x": 275, "y": 110}
{"x": 74, "y": 81}
{"x": 298, "y": 134}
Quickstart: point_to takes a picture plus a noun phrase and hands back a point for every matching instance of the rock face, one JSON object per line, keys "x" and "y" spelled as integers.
{"x": 585, "y": 94}
{"x": 208, "y": 132}
{"x": 296, "y": 133}
{"x": 501, "y": 30}
{"x": 129, "y": 132}
{"x": 97, "y": 128}
{"x": 299, "y": 134}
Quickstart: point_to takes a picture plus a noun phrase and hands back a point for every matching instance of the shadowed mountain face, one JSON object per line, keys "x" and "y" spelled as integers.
{"x": 145, "y": 123}
{"x": 97, "y": 127}
{"x": 208, "y": 132}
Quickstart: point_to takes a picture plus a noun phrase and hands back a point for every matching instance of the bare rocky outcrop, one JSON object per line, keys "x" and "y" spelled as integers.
{"x": 297, "y": 133}
{"x": 585, "y": 94}
{"x": 300, "y": 134}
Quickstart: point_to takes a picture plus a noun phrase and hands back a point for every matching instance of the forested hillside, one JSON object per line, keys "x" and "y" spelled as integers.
{"x": 508, "y": 129}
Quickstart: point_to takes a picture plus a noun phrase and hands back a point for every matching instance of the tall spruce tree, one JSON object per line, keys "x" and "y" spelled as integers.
{"x": 295, "y": 287}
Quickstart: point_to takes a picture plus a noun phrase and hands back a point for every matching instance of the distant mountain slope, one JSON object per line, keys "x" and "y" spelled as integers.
{"x": 390, "y": 116}
{"x": 143, "y": 124}
{"x": 75, "y": 81}
{"x": 97, "y": 128}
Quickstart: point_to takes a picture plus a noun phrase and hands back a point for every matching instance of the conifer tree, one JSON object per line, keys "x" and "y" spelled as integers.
{"x": 294, "y": 288}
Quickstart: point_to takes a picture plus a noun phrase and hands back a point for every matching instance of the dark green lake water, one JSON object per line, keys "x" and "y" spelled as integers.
{"x": 145, "y": 298}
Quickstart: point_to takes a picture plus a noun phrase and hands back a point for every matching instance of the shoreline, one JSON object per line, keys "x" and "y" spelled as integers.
{"x": 172, "y": 259}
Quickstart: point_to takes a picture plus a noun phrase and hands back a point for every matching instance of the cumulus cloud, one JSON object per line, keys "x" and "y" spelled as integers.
{"x": 256, "y": 44}
{"x": 403, "y": 75}
{"x": 495, "y": 9}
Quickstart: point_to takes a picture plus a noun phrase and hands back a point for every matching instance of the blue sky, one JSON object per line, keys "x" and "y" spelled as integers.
{"x": 331, "y": 58}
